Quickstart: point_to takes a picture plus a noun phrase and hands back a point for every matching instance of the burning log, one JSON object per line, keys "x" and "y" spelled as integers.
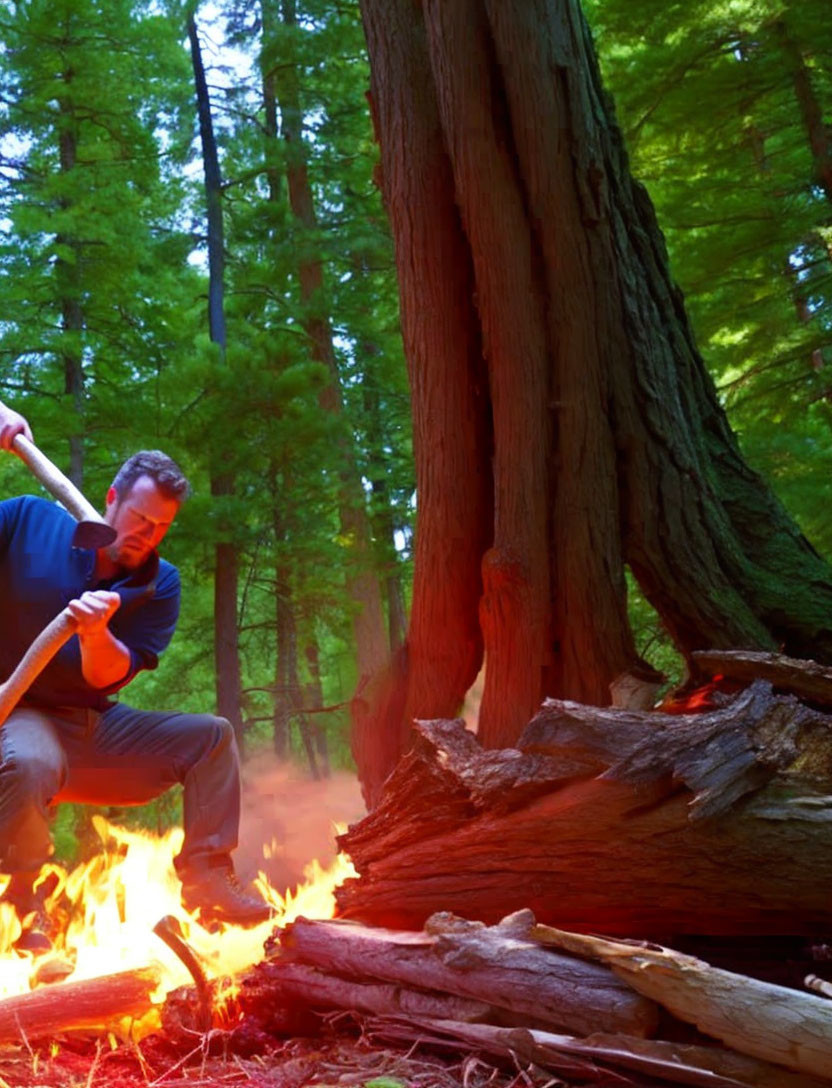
{"x": 610, "y": 820}
{"x": 95, "y": 1005}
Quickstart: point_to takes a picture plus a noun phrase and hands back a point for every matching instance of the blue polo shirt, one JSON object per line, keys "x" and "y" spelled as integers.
{"x": 40, "y": 572}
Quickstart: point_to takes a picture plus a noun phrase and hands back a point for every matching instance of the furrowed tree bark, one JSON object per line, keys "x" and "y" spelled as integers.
{"x": 443, "y": 650}
{"x": 500, "y": 966}
{"x": 555, "y": 176}
{"x": 510, "y": 302}
{"x": 609, "y": 442}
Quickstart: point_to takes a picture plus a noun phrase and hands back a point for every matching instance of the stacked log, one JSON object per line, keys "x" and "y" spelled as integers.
{"x": 583, "y": 1008}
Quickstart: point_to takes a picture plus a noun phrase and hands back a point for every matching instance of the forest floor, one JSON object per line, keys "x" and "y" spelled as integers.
{"x": 334, "y": 1059}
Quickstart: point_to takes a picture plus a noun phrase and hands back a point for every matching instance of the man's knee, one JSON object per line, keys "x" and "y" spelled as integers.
{"x": 27, "y": 785}
{"x": 32, "y": 761}
{"x": 219, "y": 731}
{"x": 208, "y": 736}
{"x": 29, "y": 778}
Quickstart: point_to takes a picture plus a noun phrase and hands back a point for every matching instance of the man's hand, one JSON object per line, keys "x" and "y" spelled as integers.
{"x": 93, "y": 611}
{"x": 105, "y": 660}
{"x": 11, "y": 425}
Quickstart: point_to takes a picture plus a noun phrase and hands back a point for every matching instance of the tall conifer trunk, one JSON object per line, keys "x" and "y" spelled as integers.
{"x": 226, "y": 572}
{"x": 69, "y": 278}
{"x": 570, "y": 351}
{"x": 372, "y": 646}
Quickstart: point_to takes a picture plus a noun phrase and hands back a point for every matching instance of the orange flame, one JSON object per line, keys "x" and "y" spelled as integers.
{"x": 115, "y": 900}
{"x": 695, "y": 701}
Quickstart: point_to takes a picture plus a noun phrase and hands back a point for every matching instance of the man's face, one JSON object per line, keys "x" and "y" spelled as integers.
{"x": 140, "y": 518}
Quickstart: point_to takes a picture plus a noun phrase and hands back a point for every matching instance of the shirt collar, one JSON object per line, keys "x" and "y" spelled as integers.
{"x": 143, "y": 576}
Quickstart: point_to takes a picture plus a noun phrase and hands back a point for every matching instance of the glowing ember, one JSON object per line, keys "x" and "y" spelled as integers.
{"x": 695, "y": 701}
{"x": 104, "y": 912}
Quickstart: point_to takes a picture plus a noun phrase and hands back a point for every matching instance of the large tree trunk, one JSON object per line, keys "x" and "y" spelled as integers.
{"x": 611, "y": 821}
{"x": 609, "y": 442}
{"x": 450, "y": 402}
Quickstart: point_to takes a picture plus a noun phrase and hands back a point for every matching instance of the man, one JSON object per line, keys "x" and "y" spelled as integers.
{"x": 69, "y": 739}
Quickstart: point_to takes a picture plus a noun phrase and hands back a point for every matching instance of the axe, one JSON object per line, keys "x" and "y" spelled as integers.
{"x": 35, "y": 660}
{"x": 92, "y": 530}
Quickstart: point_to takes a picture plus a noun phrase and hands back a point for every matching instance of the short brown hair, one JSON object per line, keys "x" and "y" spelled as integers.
{"x": 163, "y": 470}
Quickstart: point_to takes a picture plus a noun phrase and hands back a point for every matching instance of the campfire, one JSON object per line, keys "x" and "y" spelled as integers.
{"x": 118, "y": 919}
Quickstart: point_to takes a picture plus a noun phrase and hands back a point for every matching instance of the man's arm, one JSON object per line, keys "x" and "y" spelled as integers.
{"x": 104, "y": 659}
{"x": 11, "y": 425}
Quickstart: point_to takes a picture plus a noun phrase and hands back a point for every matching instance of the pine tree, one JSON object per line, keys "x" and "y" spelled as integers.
{"x": 90, "y": 267}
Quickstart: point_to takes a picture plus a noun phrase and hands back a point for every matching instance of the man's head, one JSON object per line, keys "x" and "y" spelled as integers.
{"x": 142, "y": 502}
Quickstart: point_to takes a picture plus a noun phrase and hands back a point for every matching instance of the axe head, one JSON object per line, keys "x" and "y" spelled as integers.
{"x": 93, "y": 534}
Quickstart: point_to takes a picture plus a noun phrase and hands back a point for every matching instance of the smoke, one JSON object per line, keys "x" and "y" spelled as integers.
{"x": 287, "y": 819}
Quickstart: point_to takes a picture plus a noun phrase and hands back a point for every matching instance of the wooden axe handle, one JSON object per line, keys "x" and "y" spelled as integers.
{"x": 35, "y": 660}
{"x": 54, "y": 481}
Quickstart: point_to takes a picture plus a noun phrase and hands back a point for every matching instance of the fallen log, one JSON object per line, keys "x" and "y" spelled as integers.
{"x": 774, "y": 1023}
{"x": 499, "y": 967}
{"x": 610, "y": 820}
{"x": 90, "y": 1006}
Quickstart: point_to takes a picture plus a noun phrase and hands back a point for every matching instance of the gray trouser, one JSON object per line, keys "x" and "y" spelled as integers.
{"x": 119, "y": 757}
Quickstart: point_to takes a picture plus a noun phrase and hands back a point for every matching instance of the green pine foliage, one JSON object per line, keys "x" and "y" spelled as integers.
{"x": 712, "y": 99}
{"x": 91, "y": 149}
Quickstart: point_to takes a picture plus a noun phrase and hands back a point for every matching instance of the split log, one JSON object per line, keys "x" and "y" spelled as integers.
{"x": 317, "y": 988}
{"x": 608, "y": 820}
{"x": 499, "y": 968}
{"x": 773, "y": 1023}
{"x": 806, "y": 679}
{"x": 95, "y": 1005}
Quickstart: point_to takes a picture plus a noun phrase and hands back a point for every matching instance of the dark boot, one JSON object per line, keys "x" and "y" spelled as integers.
{"x": 216, "y": 893}
{"x": 29, "y": 902}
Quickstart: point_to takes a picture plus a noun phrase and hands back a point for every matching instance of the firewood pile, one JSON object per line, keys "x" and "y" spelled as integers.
{"x": 699, "y": 844}
{"x": 585, "y": 1009}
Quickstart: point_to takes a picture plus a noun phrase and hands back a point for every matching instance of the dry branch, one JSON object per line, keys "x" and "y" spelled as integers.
{"x": 678, "y": 1063}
